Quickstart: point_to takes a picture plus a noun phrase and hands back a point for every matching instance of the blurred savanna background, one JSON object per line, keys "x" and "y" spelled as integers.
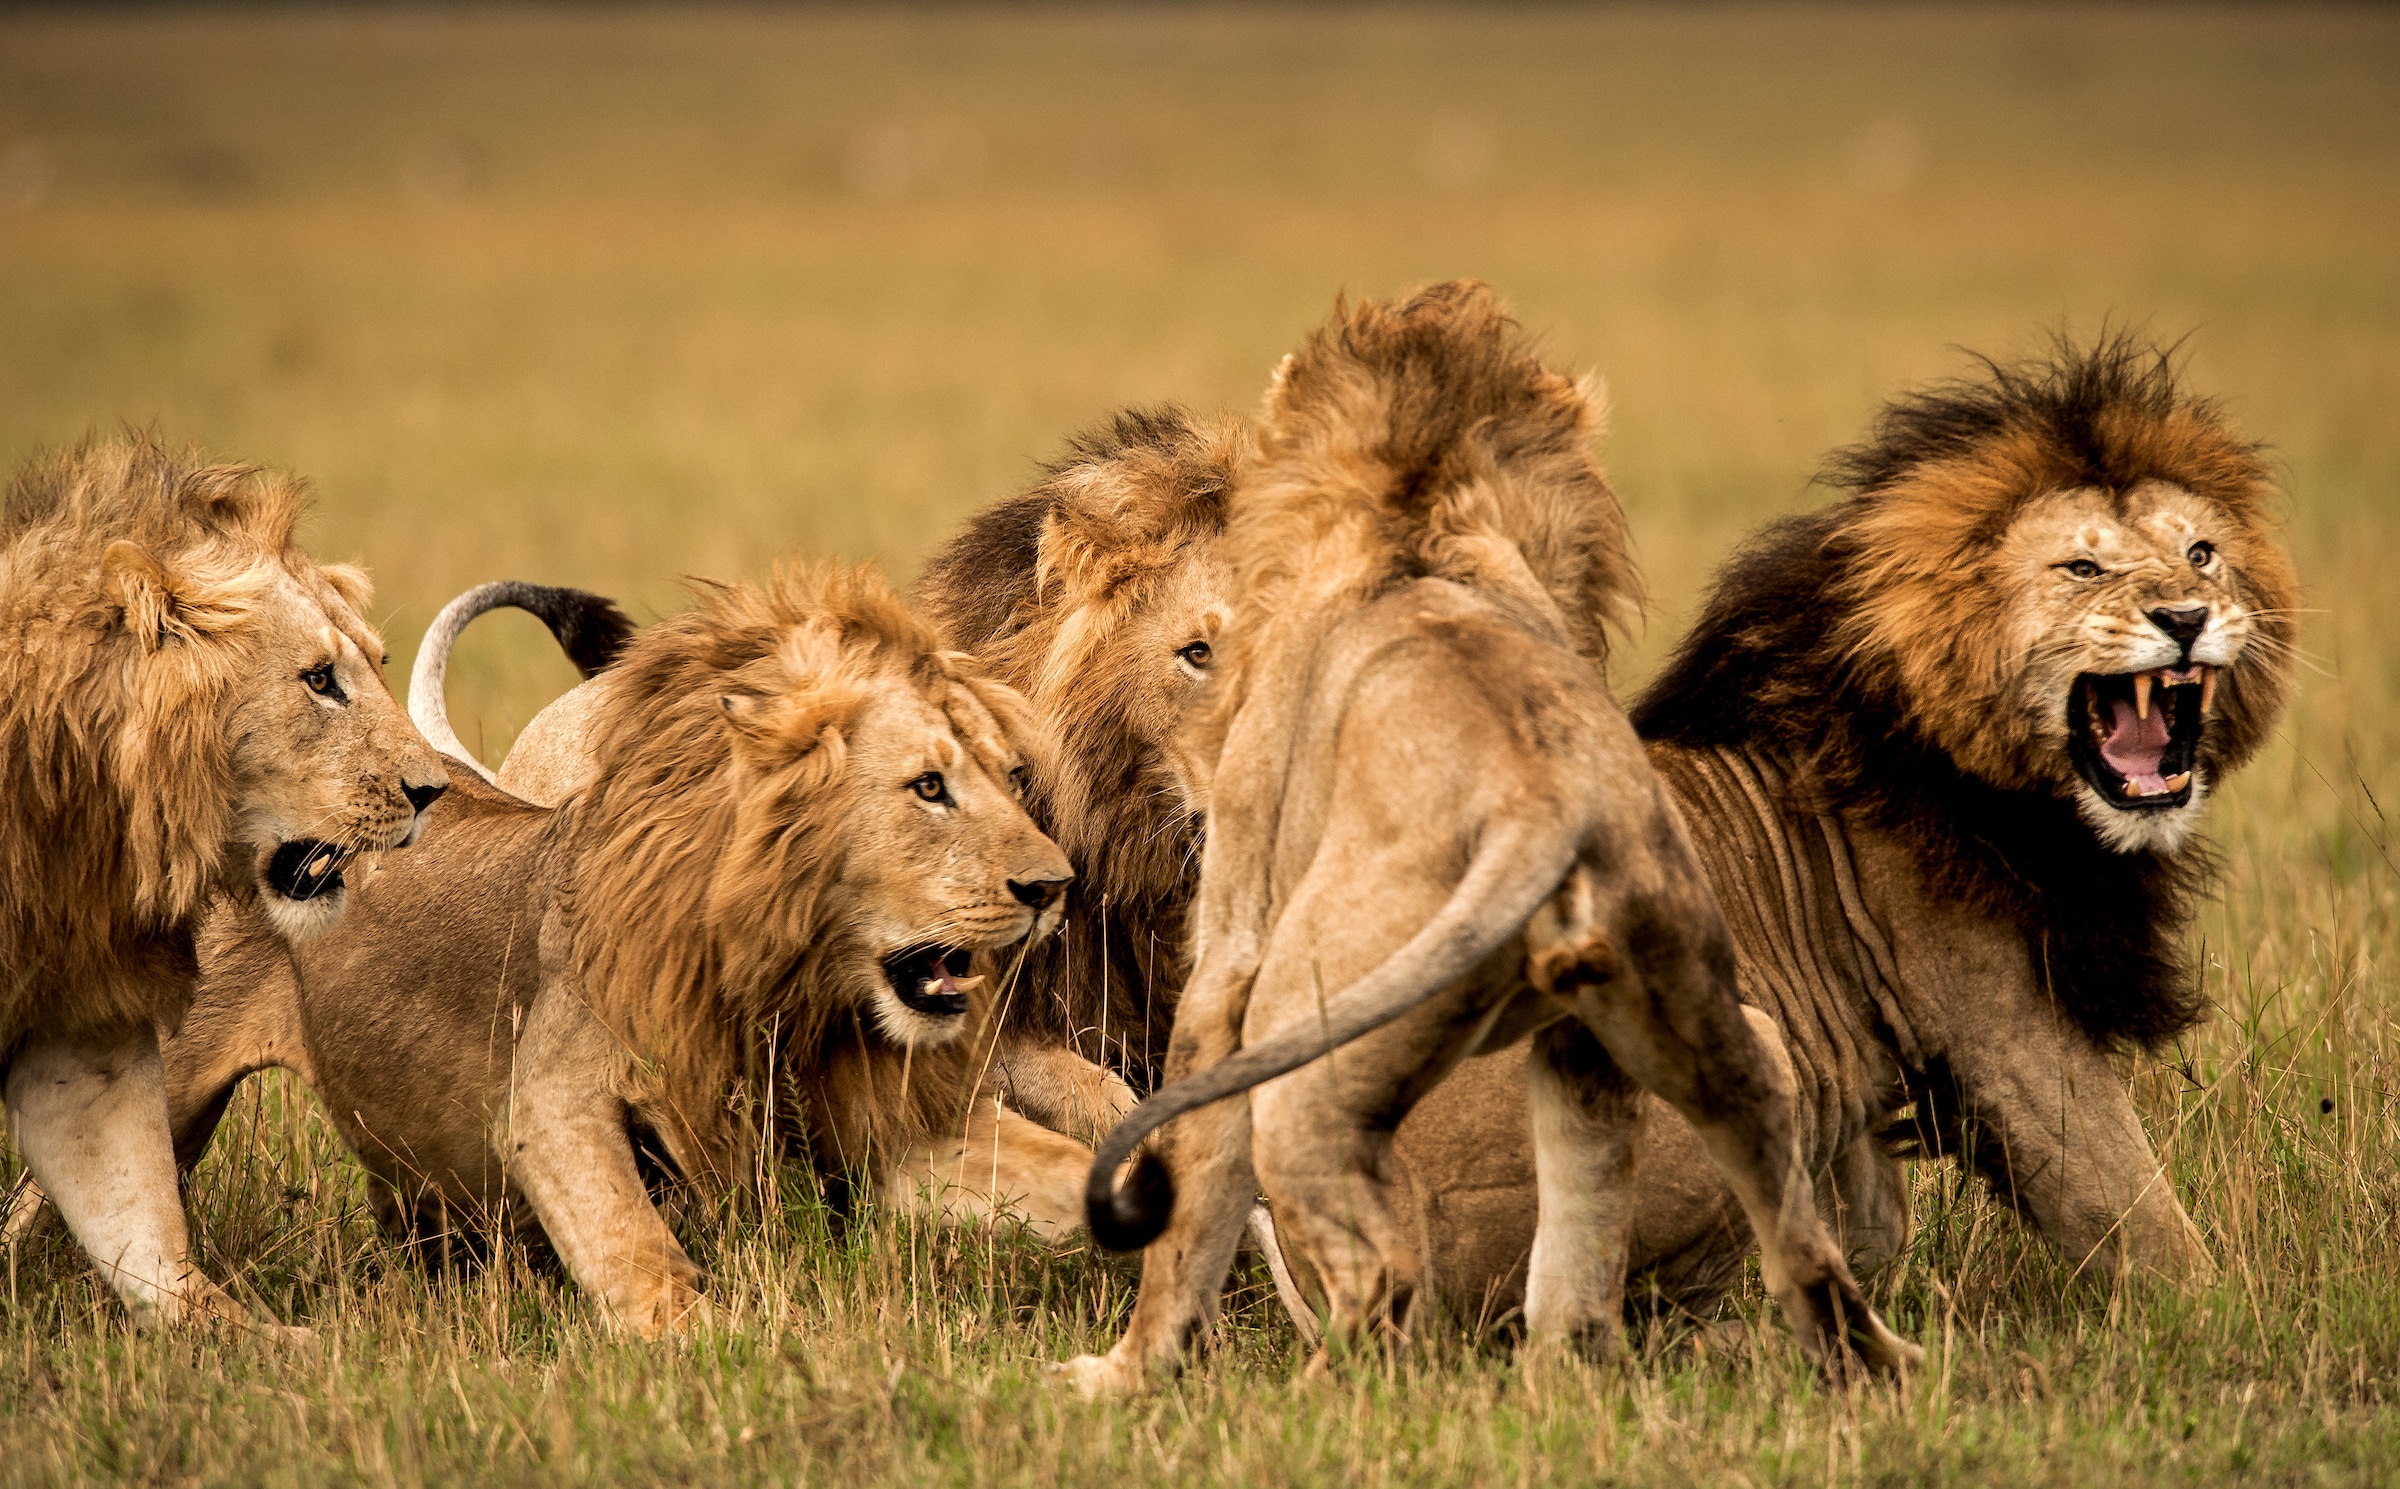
{"x": 613, "y": 296}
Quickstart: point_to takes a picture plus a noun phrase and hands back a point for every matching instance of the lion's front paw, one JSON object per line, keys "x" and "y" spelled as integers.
{"x": 1098, "y": 1377}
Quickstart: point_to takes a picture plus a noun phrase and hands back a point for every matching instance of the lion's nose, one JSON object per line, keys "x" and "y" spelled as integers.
{"x": 2183, "y": 624}
{"x": 421, "y": 797}
{"x": 1036, "y": 892}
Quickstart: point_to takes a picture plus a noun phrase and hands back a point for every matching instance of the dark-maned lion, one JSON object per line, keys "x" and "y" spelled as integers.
{"x": 1943, "y": 747}
{"x": 753, "y": 920}
{"x": 189, "y": 708}
{"x": 1098, "y": 593}
{"x": 1431, "y": 832}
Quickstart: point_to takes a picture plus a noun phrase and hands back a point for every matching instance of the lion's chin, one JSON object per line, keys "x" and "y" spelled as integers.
{"x": 2157, "y": 830}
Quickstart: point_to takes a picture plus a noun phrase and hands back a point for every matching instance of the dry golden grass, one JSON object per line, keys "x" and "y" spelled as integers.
{"x": 609, "y": 298}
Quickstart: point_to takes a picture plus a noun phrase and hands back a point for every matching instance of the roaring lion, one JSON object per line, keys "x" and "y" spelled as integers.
{"x": 1943, "y": 748}
{"x": 747, "y": 932}
{"x": 1431, "y": 832}
{"x": 190, "y": 709}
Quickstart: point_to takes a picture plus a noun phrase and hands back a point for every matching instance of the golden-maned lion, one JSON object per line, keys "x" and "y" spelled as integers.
{"x": 1942, "y": 747}
{"x": 752, "y": 922}
{"x": 189, "y": 708}
{"x": 1431, "y": 832}
{"x": 1098, "y": 593}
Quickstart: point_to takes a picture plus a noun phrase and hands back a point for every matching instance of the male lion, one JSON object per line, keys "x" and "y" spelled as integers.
{"x": 189, "y": 708}
{"x": 1430, "y": 832}
{"x": 1942, "y": 747}
{"x": 749, "y": 929}
{"x": 1098, "y": 593}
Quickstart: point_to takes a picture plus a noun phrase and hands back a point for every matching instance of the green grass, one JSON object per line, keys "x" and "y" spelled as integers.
{"x": 610, "y": 298}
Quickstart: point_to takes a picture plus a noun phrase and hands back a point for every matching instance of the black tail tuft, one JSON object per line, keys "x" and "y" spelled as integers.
{"x": 590, "y": 628}
{"x": 1130, "y": 1218}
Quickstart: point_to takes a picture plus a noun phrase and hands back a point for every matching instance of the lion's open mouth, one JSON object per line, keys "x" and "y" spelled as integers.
{"x": 2135, "y": 736}
{"x": 932, "y": 979}
{"x": 306, "y": 868}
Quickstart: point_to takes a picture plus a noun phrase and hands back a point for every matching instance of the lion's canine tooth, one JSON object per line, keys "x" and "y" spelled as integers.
{"x": 2141, "y": 694}
{"x": 2133, "y": 788}
{"x": 2176, "y": 783}
{"x": 966, "y": 984}
{"x": 2208, "y": 688}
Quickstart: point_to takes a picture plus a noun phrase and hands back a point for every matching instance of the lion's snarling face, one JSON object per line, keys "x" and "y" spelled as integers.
{"x": 2136, "y": 610}
{"x": 2069, "y": 579}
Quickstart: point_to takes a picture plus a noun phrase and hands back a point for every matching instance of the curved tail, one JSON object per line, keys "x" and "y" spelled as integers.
{"x": 589, "y": 627}
{"x": 1517, "y": 866}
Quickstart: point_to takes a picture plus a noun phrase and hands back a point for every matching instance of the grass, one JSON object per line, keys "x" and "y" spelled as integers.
{"x": 612, "y": 297}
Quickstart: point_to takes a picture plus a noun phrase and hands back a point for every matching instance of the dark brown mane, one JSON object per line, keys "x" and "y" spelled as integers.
{"x": 1776, "y": 660}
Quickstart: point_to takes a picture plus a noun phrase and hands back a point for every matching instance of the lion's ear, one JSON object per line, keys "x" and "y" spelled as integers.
{"x": 773, "y": 731}
{"x": 162, "y": 605}
{"x": 352, "y": 584}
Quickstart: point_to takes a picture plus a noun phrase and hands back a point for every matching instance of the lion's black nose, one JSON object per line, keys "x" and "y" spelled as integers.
{"x": 1036, "y": 892}
{"x": 2182, "y": 625}
{"x": 421, "y": 797}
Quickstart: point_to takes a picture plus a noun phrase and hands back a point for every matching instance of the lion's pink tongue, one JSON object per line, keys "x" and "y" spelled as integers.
{"x": 2134, "y": 744}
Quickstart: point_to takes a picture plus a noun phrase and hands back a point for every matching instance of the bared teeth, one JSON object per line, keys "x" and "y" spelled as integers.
{"x": 2176, "y": 783}
{"x": 2208, "y": 689}
{"x": 2133, "y": 788}
{"x": 2141, "y": 694}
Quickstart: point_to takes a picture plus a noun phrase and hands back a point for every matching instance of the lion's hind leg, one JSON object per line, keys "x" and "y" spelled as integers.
{"x": 1667, "y": 1011}
{"x": 1586, "y": 1117}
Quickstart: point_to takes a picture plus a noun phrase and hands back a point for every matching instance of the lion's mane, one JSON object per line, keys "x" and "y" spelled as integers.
{"x": 1421, "y": 438}
{"x": 1850, "y": 640}
{"x": 130, "y": 583}
{"x": 704, "y": 893}
{"x": 1038, "y": 586}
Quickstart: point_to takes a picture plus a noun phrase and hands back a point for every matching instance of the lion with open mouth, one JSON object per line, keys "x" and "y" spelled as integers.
{"x": 748, "y": 933}
{"x": 1943, "y": 746}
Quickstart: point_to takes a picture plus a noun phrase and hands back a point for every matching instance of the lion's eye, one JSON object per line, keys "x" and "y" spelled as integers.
{"x": 2082, "y": 568}
{"x": 2201, "y": 553}
{"x": 930, "y": 787}
{"x": 321, "y": 681}
{"x": 1196, "y": 655}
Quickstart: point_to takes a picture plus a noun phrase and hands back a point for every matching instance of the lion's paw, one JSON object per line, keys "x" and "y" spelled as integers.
{"x": 1097, "y": 1377}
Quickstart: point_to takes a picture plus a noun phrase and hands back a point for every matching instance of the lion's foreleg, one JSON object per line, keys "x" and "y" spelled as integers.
{"x": 1586, "y": 1118}
{"x": 566, "y": 1147}
{"x": 1003, "y": 1165}
{"x": 91, "y": 1121}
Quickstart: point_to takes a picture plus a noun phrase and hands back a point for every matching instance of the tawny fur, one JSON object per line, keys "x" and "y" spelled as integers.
{"x": 707, "y": 909}
{"x": 133, "y": 587}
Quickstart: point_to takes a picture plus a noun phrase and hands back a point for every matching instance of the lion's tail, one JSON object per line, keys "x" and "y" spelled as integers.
{"x": 1517, "y": 866}
{"x": 589, "y": 627}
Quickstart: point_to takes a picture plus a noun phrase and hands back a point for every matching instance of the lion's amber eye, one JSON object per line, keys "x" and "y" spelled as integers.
{"x": 320, "y": 681}
{"x": 1196, "y": 654}
{"x": 930, "y": 786}
{"x": 2201, "y": 553}
{"x": 2082, "y": 568}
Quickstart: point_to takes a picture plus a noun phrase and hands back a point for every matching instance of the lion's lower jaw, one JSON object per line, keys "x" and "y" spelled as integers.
{"x": 904, "y": 1026}
{"x": 301, "y": 921}
{"x": 2142, "y": 831}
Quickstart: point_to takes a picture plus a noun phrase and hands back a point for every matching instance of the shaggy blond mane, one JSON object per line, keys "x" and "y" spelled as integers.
{"x": 707, "y": 853}
{"x": 131, "y": 584}
{"x": 1419, "y": 438}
